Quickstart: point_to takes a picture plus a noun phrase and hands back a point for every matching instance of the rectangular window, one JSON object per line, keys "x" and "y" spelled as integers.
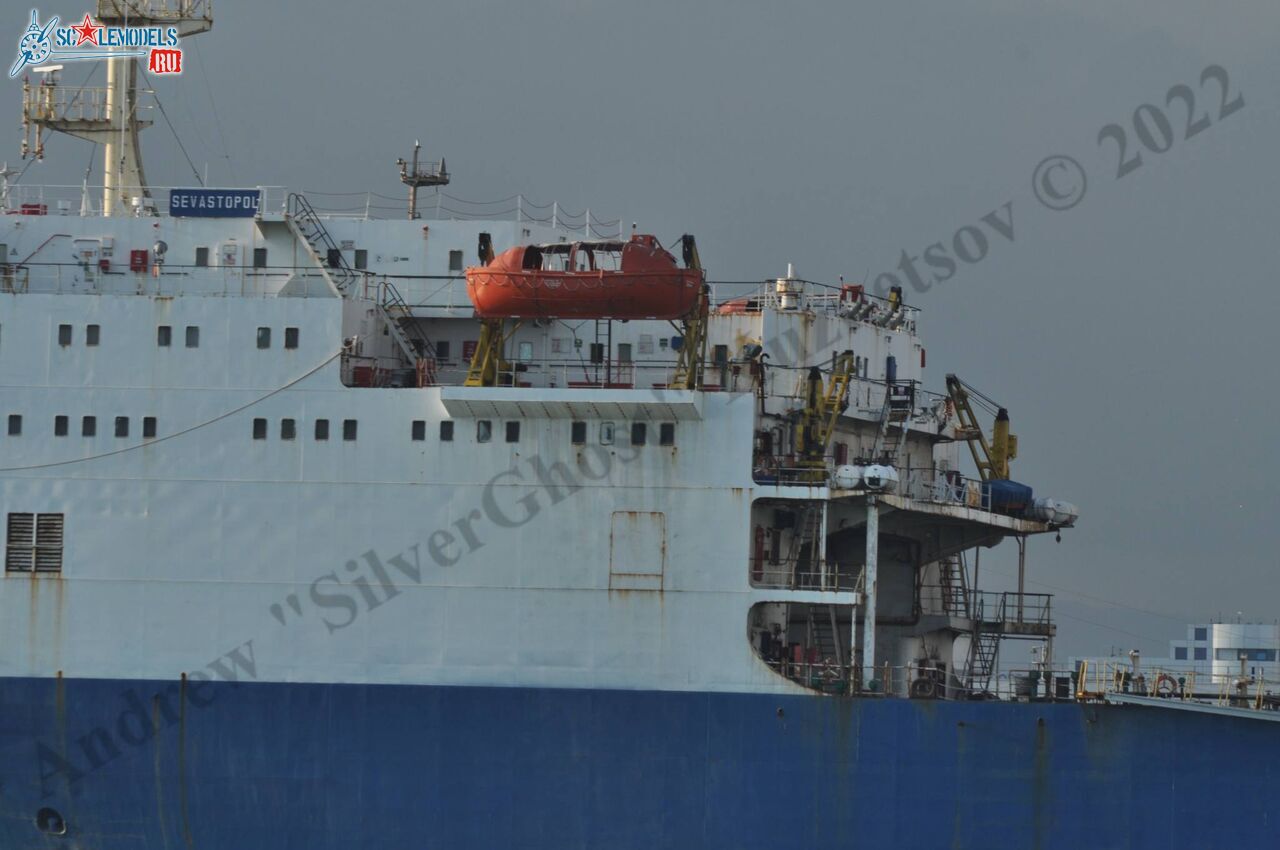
{"x": 122, "y": 426}
{"x": 288, "y": 429}
{"x": 193, "y": 336}
{"x": 60, "y": 424}
{"x": 597, "y": 352}
{"x": 455, "y": 261}
{"x": 91, "y": 333}
{"x": 720, "y": 355}
{"x": 164, "y": 336}
{"x": 1180, "y": 653}
{"x": 349, "y": 429}
{"x": 202, "y": 256}
{"x": 484, "y": 430}
{"x": 259, "y": 429}
{"x": 446, "y": 430}
{"x": 578, "y": 433}
{"x": 606, "y": 433}
{"x": 419, "y": 430}
{"x": 64, "y": 335}
{"x": 290, "y": 338}
{"x": 259, "y": 258}
{"x": 322, "y": 429}
{"x": 442, "y": 350}
{"x": 1202, "y": 653}
{"x": 667, "y": 434}
{"x": 89, "y": 426}
{"x": 637, "y": 433}
{"x": 1202, "y": 633}
{"x": 15, "y": 424}
{"x": 362, "y": 259}
{"x": 33, "y": 542}
{"x": 624, "y": 352}
{"x": 513, "y": 432}
{"x": 524, "y": 352}
{"x": 148, "y": 427}
{"x": 264, "y": 337}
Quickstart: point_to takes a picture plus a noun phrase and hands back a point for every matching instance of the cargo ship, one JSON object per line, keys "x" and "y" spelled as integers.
{"x": 333, "y": 531}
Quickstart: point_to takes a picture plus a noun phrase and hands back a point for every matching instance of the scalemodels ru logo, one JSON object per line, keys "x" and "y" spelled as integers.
{"x": 93, "y": 40}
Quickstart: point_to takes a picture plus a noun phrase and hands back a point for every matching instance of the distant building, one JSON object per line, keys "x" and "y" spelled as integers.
{"x": 1214, "y": 649}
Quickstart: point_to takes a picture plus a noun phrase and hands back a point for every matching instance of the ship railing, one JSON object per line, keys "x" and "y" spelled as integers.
{"x": 820, "y": 674}
{"x": 1096, "y": 678}
{"x": 943, "y": 486}
{"x": 830, "y": 576}
{"x": 819, "y": 297}
{"x": 117, "y": 277}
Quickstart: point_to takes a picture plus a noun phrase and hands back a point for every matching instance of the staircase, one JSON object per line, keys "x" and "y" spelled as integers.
{"x": 954, "y": 586}
{"x": 984, "y": 648}
{"x": 825, "y": 633}
{"x": 808, "y": 530}
{"x": 898, "y": 400}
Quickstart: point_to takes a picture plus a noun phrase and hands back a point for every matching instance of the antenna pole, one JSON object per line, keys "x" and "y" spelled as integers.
{"x": 414, "y": 174}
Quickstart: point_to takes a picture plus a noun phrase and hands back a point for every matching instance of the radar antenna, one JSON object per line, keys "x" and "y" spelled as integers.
{"x": 414, "y": 174}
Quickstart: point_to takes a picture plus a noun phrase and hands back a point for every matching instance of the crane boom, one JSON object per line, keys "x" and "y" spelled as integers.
{"x": 991, "y": 458}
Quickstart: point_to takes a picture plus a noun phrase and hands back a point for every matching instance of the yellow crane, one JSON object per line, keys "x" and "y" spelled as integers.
{"x": 817, "y": 419}
{"x": 992, "y": 458}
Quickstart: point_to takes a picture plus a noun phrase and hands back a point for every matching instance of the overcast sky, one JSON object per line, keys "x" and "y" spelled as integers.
{"x": 1132, "y": 336}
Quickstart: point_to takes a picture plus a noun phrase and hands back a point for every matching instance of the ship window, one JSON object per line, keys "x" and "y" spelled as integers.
{"x": 164, "y": 336}
{"x": 148, "y": 427}
{"x": 193, "y": 336}
{"x": 455, "y": 261}
{"x": 1202, "y": 653}
{"x": 89, "y": 426}
{"x": 1202, "y": 633}
{"x": 667, "y": 434}
{"x": 513, "y": 432}
{"x": 259, "y": 429}
{"x": 524, "y": 352}
{"x": 578, "y": 433}
{"x": 349, "y": 429}
{"x": 264, "y": 337}
{"x": 322, "y": 429}
{"x": 484, "y": 430}
{"x": 597, "y": 352}
{"x": 64, "y": 335}
{"x": 624, "y": 352}
{"x": 362, "y": 258}
{"x": 15, "y": 424}
{"x": 720, "y": 355}
{"x": 442, "y": 350}
{"x": 60, "y": 426}
{"x": 446, "y": 431}
{"x": 122, "y": 426}
{"x": 1180, "y": 653}
{"x": 606, "y": 433}
{"x": 91, "y": 334}
{"x": 34, "y": 542}
{"x": 637, "y": 433}
{"x": 202, "y": 256}
{"x": 290, "y": 337}
{"x": 419, "y": 431}
{"x": 288, "y": 429}
{"x": 259, "y": 258}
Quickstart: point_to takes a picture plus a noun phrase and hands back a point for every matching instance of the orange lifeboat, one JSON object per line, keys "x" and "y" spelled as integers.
{"x": 637, "y": 279}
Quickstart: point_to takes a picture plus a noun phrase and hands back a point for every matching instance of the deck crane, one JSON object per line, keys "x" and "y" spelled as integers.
{"x": 992, "y": 458}
{"x": 693, "y": 327}
{"x": 488, "y": 364}
{"x": 817, "y": 419}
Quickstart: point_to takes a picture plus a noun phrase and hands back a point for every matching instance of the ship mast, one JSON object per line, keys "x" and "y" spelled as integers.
{"x": 109, "y": 116}
{"x": 414, "y": 175}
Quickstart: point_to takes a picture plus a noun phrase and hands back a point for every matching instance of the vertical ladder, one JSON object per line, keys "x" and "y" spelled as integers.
{"x": 807, "y": 531}
{"x": 824, "y": 632}
{"x": 954, "y": 585}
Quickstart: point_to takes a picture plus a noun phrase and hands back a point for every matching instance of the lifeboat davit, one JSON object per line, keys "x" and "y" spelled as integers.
{"x": 636, "y": 279}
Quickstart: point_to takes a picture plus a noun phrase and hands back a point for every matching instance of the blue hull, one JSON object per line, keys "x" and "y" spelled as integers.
{"x": 133, "y": 765}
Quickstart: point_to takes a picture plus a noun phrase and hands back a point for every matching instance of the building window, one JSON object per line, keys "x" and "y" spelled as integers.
{"x": 455, "y": 261}
{"x": 578, "y": 433}
{"x": 322, "y": 429}
{"x": 164, "y": 336}
{"x": 290, "y": 337}
{"x": 637, "y": 433}
{"x": 15, "y": 424}
{"x": 33, "y": 543}
{"x": 202, "y": 256}
{"x": 349, "y": 429}
{"x": 288, "y": 429}
{"x": 362, "y": 259}
{"x": 624, "y": 352}
{"x": 1202, "y": 653}
{"x": 148, "y": 427}
{"x": 64, "y": 335}
{"x": 60, "y": 426}
{"x": 91, "y": 333}
{"x": 606, "y": 433}
{"x": 1202, "y": 633}
{"x": 259, "y": 258}
{"x": 193, "y": 336}
{"x": 484, "y": 430}
{"x": 1180, "y": 653}
{"x": 122, "y": 426}
{"x": 89, "y": 426}
{"x": 264, "y": 337}
{"x": 667, "y": 434}
{"x": 419, "y": 430}
{"x": 446, "y": 430}
{"x": 442, "y": 350}
{"x": 513, "y": 432}
{"x": 259, "y": 429}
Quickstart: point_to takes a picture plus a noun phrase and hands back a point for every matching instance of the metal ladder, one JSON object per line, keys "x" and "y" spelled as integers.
{"x": 954, "y": 585}
{"x": 808, "y": 529}
{"x": 825, "y": 634}
{"x": 984, "y": 649}
{"x": 889, "y": 442}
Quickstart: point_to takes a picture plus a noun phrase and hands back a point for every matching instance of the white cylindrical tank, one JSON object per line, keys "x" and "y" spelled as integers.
{"x": 877, "y": 476}
{"x": 847, "y": 477}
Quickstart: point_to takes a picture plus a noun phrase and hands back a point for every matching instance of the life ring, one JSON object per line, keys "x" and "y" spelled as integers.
{"x": 1166, "y": 685}
{"x": 924, "y": 687}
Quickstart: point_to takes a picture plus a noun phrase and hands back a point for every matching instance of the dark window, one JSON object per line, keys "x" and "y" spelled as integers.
{"x": 89, "y": 426}
{"x": 578, "y": 433}
{"x": 264, "y": 337}
{"x": 259, "y": 429}
{"x": 606, "y": 433}
{"x": 164, "y": 336}
{"x": 290, "y": 337}
{"x": 362, "y": 258}
{"x": 122, "y": 426}
{"x": 15, "y": 424}
{"x": 513, "y": 432}
{"x": 637, "y": 433}
{"x": 1180, "y": 653}
{"x": 484, "y": 430}
{"x": 720, "y": 355}
{"x": 202, "y": 256}
{"x": 33, "y": 542}
{"x": 148, "y": 427}
{"x": 442, "y": 350}
{"x": 419, "y": 430}
{"x": 193, "y": 336}
{"x": 60, "y": 426}
{"x": 597, "y": 352}
{"x": 1202, "y": 653}
{"x": 446, "y": 431}
{"x": 624, "y": 352}
{"x": 64, "y": 334}
{"x": 322, "y": 429}
{"x": 667, "y": 434}
{"x": 455, "y": 261}
{"x": 91, "y": 333}
{"x": 1202, "y": 633}
{"x": 288, "y": 429}
{"x": 349, "y": 429}
{"x": 259, "y": 258}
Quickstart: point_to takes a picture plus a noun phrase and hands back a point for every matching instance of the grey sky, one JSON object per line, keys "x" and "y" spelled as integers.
{"x": 1131, "y": 337}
